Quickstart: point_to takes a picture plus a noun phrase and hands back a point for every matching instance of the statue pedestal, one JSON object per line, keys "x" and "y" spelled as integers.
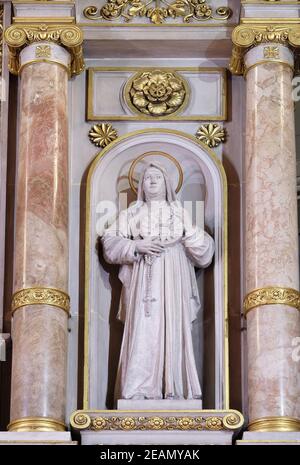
{"x": 184, "y": 426}
{"x": 160, "y": 404}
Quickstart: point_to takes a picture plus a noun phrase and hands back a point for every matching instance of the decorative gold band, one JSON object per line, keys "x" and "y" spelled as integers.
{"x": 275, "y": 424}
{"x": 45, "y": 60}
{"x": 272, "y": 295}
{"x": 263, "y": 62}
{"x": 41, "y": 296}
{"x": 36, "y": 424}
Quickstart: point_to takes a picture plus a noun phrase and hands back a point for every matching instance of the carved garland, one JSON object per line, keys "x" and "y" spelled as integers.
{"x": 69, "y": 36}
{"x": 157, "y": 11}
{"x": 231, "y": 421}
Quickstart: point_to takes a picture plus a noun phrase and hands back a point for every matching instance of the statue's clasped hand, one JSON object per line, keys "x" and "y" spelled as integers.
{"x": 149, "y": 246}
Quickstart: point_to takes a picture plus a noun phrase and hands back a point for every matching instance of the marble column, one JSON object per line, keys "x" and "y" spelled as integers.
{"x": 272, "y": 271}
{"x": 40, "y": 303}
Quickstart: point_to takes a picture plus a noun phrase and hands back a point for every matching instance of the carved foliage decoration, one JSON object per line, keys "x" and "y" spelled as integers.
{"x": 229, "y": 421}
{"x": 156, "y": 93}
{"x": 157, "y": 11}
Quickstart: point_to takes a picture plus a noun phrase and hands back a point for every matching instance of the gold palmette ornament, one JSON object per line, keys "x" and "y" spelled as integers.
{"x": 211, "y": 134}
{"x": 102, "y": 134}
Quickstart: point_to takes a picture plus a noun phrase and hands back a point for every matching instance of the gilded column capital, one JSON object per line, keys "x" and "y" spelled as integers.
{"x": 247, "y": 36}
{"x": 68, "y": 36}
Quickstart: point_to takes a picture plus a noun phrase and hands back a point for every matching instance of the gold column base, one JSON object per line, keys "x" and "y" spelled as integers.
{"x": 272, "y": 424}
{"x": 35, "y": 424}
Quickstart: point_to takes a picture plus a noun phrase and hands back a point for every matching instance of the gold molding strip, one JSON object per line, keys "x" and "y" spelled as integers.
{"x": 263, "y": 62}
{"x": 44, "y": 60}
{"x": 142, "y": 25}
{"x": 263, "y": 21}
{"x": 41, "y": 296}
{"x": 269, "y": 424}
{"x": 44, "y": 19}
{"x": 270, "y": 296}
{"x": 197, "y": 420}
{"x": 36, "y": 424}
{"x": 68, "y": 36}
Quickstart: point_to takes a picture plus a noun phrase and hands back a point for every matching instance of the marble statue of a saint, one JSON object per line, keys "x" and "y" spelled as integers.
{"x": 158, "y": 249}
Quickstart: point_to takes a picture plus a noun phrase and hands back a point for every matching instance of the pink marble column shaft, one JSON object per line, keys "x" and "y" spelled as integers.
{"x": 271, "y": 240}
{"x": 41, "y": 243}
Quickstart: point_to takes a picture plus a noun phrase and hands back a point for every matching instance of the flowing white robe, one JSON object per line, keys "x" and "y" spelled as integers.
{"x": 157, "y": 358}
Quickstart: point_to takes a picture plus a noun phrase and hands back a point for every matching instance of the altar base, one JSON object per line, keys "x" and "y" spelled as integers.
{"x": 38, "y": 438}
{"x": 269, "y": 438}
{"x": 157, "y": 437}
{"x": 159, "y": 404}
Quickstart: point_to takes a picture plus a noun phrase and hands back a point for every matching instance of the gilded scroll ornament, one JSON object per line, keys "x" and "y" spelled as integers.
{"x": 233, "y": 420}
{"x": 270, "y": 296}
{"x": 41, "y": 296}
{"x": 211, "y": 134}
{"x": 102, "y": 134}
{"x": 68, "y": 36}
{"x": 156, "y": 93}
{"x": 157, "y": 11}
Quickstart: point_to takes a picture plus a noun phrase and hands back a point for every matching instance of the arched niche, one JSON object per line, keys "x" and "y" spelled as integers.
{"x": 204, "y": 179}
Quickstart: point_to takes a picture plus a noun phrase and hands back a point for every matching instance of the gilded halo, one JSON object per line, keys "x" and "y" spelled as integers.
{"x": 155, "y": 153}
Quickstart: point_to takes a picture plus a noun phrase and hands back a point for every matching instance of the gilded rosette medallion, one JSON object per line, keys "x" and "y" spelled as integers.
{"x": 156, "y": 93}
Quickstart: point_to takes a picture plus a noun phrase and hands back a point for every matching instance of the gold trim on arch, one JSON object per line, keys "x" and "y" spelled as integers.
{"x": 271, "y": 295}
{"x": 222, "y": 173}
{"x": 40, "y": 296}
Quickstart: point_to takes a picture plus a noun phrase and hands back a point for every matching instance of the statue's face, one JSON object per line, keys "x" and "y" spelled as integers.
{"x": 154, "y": 183}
